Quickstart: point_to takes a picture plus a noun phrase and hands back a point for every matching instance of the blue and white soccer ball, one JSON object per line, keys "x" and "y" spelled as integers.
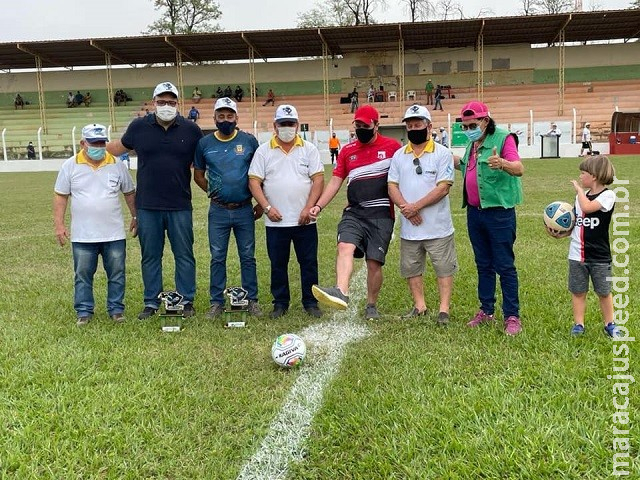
{"x": 559, "y": 218}
{"x": 288, "y": 350}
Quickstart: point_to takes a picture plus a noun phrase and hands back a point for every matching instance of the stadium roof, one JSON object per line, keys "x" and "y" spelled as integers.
{"x": 221, "y": 46}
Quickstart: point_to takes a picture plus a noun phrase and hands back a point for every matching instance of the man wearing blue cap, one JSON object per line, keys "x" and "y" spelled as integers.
{"x": 93, "y": 179}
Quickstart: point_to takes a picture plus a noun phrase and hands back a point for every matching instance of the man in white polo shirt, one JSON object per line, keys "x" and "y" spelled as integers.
{"x": 286, "y": 178}
{"x": 94, "y": 179}
{"x": 420, "y": 176}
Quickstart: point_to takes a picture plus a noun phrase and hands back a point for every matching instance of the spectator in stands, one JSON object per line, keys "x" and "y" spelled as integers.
{"x": 586, "y": 140}
{"x": 221, "y": 167}
{"x": 371, "y": 93}
{"x": 438, "y": 98}
{"x": 367, "y": 222}
{"x": 219, "y": 92}
{"x": 194, "y": 114}
{"x": 239, "y": 93}
{"x": 491, "y": 186}
{"x": 70, "y": 102}
{"x": 228, "y": 92}
{"x": 94, "y": 179}
{"x": 554, "y": 131}
{"x": 354, "y": 100}
{"x": 428, "y": 88}
{"x": 334, "y": 147}
{"x": 87, "y": 99}
{"x": 434, "y": 136}
{"x": 444, "y": 137}
{"x": 78, "y": 99}
{"x": 196, "y": 95}
{"x": 120, "y": 97}
{"x": 18, "y": 101}
{"x": 286, "y": 177}
{"x": 420, "y": 177}
{"x": 352, "y": 137}
{"x": 165, "y": 144}
{"x": 270, "y": 98}
{"x": 31, "y": 151}
{"x": 124, "y": 158}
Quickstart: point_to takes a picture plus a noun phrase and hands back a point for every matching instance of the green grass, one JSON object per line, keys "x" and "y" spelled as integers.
{"x": 411, "y": 401}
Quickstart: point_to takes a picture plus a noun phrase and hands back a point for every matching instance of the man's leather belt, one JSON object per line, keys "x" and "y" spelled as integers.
{"x": 231, "y": 206}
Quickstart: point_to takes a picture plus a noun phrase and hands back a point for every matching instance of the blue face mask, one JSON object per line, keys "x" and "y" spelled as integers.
{"x": 96, "y": 153}
{"x": 474, "y": 134}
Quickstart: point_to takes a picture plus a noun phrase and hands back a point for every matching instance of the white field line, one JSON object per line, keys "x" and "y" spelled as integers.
{"x": 288, "y": 432}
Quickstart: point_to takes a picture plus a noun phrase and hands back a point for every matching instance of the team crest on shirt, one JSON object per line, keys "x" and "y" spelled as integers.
{"x": 352, "y": 158}
{"x": 239, "y": 149}
{"x": 382, "y": 155}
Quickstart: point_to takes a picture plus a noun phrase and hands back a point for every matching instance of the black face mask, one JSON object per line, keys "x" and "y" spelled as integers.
{"x": 418, "y": 137}
{"x": 226, "y": 128}
{"x": 365, "y": 134}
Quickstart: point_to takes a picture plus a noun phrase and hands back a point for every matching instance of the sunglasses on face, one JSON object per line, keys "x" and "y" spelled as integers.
{"x": 416, "y": 162}
{"x": 162, "y": 103}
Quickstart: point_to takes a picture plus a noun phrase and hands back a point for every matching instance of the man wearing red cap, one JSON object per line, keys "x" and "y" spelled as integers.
{"x": 491, "y": 188}
{"x": 367, "y": 222}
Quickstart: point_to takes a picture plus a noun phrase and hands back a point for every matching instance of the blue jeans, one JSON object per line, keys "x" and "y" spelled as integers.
{"x": 221, "y": 222}
{"x": 85, "y": 264}
{"x": 178, "y": 224}
{"x": 492, "y": 233}
{"x": 305, "y": 244}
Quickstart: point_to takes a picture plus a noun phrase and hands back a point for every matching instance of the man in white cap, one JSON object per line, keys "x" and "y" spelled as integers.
{"x": 420, "y": 176}
{"x": 94, "y": 179}
{"x": 286, "y": 178}
{"x": 221, "y": 166}
{"x": 554, "y": 131}
{"x": 165, "y": 144}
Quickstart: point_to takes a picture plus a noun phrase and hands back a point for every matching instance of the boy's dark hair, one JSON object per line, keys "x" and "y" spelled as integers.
{"x": 600, "y": 167}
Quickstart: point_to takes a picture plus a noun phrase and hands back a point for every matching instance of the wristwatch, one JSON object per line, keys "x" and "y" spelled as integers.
{"x": 267, "y": 208}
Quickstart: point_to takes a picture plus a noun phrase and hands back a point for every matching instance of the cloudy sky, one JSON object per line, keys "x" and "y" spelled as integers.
{"x": 26, "y": 20}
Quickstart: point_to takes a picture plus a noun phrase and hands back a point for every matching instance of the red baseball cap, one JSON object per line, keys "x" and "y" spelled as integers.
{"x": 473, "y": 110}
{"x": 366, "y": 114}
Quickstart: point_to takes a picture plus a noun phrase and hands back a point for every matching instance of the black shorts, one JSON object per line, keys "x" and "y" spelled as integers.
{"x": 586, "y": 145}
{"x": 370, "y": 236}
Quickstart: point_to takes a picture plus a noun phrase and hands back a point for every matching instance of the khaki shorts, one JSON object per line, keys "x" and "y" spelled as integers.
{"x": 442, "y": 253}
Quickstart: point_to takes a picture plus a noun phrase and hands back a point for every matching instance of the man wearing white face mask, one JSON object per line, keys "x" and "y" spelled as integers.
{"x": 165, "y": 144}
{"x": 286, "y": 178}
{"x": 93, "y": 179}
{"x": 221, "y": 166}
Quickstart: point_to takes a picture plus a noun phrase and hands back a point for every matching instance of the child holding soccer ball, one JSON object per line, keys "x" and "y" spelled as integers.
{"x": 589, "y": 250}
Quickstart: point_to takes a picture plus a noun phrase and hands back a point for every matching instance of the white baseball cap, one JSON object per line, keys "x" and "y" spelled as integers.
{"x": 165, "y": 87}
{"x": 417, "y": 111}
{"x": 225, "y": 102}
{"x": 95, "y": 132}
{"x": 286, "y": 112}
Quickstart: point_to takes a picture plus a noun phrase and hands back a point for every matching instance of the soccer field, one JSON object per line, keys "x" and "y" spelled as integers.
{"x": 385, "y": 399}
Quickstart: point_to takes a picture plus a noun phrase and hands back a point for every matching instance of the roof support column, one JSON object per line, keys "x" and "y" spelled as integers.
{"x": 480, "y": 62}
{"x": 252, "y": 87}
{"x": 401, "y": 92}
{"x": 41, "y": 106}
{"x": 182, "y": 104}
{"x": 561, "y": 64}
{"x": 325, "y": 83}
{"x": 112, "y": 110}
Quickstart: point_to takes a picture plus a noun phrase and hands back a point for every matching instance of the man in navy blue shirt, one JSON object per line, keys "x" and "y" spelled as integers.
{"x": 165, "y": 144}
{"x": 221, "y": 167}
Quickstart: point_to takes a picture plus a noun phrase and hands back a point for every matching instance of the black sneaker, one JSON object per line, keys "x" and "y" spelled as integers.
{"x": 83, "y": 320}
{"x": 278, "y": 311}
{"x": 188, "y": 310}
{"x": 416, "y": 313}
{"x": 147, "y": 312}
{"x": 215, "y": 310}
{"x": 443, "y": 318}
{"x": 313, "y": 311}
{"x": 330, "y": 296}
{"x": 254, "y": 308}
{"x": 371, "y": 312}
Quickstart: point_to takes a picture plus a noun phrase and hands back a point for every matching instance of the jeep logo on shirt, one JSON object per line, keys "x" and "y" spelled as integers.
{"x": 587, "y": 222}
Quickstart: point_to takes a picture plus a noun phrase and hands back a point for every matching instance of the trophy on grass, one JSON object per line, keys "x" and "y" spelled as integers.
{"x": 236, "y": 314}
{"x": 171, "y": 319}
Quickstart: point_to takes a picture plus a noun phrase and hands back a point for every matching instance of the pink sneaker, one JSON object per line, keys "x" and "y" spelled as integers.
{"x": 512, "y": 326}
{"x": 480, "y": 317}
